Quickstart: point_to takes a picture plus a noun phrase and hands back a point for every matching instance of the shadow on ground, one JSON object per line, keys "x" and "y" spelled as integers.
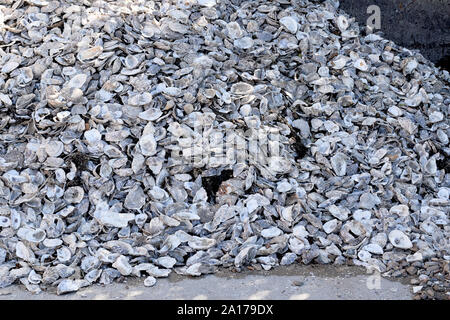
{"x": 415, "y": 24}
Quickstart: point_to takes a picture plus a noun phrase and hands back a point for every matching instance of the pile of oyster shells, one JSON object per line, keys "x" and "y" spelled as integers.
{"x": 97, "y": 99}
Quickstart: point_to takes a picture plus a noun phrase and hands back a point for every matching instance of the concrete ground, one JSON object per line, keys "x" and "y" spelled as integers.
{"x": 298, "y": 282}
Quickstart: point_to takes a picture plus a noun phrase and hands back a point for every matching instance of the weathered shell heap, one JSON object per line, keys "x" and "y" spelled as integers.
{"x": 95, "y": 96}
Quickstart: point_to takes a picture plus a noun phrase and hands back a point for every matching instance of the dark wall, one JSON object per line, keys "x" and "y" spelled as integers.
{"x": 415, "y": 24}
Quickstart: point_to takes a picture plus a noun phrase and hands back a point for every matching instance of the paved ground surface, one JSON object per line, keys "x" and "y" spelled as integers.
{"x": 283, "y": 283}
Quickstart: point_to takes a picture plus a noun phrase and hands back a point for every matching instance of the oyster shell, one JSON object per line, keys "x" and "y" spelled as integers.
{"x": 399, "y": 239}
{"x": 194, "y": 135}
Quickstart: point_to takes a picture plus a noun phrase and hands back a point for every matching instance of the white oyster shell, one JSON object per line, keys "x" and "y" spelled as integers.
{"x": 400, "y": 240}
